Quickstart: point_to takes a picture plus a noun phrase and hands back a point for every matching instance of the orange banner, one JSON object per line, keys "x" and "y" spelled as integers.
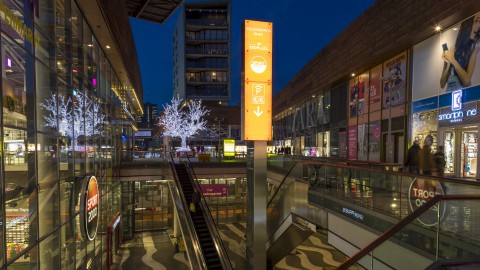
{"x": 257, "y": 96}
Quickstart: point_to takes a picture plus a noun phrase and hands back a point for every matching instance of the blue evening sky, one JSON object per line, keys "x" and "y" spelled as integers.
{"x": 300, "y": 30}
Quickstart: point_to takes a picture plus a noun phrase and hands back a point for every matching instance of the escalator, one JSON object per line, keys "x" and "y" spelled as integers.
{"x": 285, "y": 227}
{"x": 206, "y": 242}
{"x": 209, "y": 242}
{"x": 293, "y": 231}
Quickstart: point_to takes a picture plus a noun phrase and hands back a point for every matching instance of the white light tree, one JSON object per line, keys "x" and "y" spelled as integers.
{"x": 58, "y": 114}
{"x": 74, "y": 119}
{"x": 183, "y": 120}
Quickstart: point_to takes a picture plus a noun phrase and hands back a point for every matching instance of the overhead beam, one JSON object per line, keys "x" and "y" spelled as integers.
{"x": 145, "y": 4}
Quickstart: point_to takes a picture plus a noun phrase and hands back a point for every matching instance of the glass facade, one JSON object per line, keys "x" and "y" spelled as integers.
{"x": 60, "y": 96}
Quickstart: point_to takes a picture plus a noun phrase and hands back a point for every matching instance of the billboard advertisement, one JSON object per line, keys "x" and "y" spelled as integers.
{"x": 228, "y": 147}
{"x": 375, "y": 88}
{"x": 352, "y": 142}
{"x": 257, "y": 92}
{"x": 358, "y": 95}
{"x": 447, "y": 61}
{"x": 394, "y": 81}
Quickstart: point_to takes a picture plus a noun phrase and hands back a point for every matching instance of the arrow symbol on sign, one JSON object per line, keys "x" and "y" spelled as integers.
{"x": 258, "y": 112}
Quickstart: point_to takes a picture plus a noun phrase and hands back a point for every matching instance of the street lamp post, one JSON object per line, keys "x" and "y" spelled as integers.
{"x": 219, "y": 133}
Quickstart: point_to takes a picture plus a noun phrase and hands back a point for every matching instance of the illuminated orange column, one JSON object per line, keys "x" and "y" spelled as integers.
{"x": 257, "y": 90}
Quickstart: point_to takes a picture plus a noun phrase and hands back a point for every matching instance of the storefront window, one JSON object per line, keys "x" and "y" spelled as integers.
{"x": 47, "y": 153}
{"x": 362, "y": 141}
{"x": 80, "y": 246}
{"x": 68, "y": 247}
{"x": 46, "y": 98}
{"x": 77, "y": 44}
{"x": 20, "y": 192}
{"x": 26, "y": 261}
{"x": 17, "y": 78}
{"x": 323, "y": 144}
{"x": 423, "y": 124}
{"x": 49, "y": 252}
{"x": 374, "y": 136}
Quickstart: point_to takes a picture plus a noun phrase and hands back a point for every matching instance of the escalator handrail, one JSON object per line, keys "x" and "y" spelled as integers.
{"x": 194, "y": 245}
{"x": 281, "y": 184}
{"x": 210, "y": 223}
{"x": 400, "y": 225}
{"x": 439, "y": 264}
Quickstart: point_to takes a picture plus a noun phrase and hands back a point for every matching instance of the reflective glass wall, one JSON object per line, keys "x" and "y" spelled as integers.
{"x": 59, "y": 95}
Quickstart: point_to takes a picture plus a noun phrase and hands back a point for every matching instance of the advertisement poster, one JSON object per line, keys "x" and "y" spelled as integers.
{"x": 353, "y": 97}
{"x": 375, "y": 88}
{"x": 358, "y": 95}
{"x": 394, "y": 80}
{"x": 362, "y": 142}
{"x": 438, "y": 61}
{"x": 352, "y": 142}
{"x": 342, "y": 143}
{"x": 374, "y": 134}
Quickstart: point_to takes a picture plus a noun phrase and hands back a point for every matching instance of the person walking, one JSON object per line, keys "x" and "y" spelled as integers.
{"x": 412, "y": 162}
{"x": 195, "y": 204}
{"x": 439, "y": 158}
{"x": 426, "y": 157}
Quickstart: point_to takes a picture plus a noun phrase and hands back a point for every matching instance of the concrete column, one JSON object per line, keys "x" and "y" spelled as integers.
{"x": 257, "y": 205}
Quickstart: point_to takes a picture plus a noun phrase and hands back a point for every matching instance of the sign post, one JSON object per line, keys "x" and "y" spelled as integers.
{"x": 257, "y": 129}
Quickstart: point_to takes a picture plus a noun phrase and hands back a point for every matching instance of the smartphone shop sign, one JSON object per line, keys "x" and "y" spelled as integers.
{"x": 467, "y": 114}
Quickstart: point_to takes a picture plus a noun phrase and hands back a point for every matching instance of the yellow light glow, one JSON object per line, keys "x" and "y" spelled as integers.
{"x": 257, "y": 98}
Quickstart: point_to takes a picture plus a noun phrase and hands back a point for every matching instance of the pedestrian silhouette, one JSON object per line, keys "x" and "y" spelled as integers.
{"x": 412, "y": 162}
{"x": 426, "y": 157}
{"x": 439, "y": 158}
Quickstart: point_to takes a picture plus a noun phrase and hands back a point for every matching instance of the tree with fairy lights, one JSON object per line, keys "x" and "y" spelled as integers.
{"x": 183, "y": 119}
{"x": 83, "y": 116}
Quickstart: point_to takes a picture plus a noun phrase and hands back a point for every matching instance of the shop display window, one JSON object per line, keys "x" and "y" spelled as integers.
{"x": 67, "y": 253}
{"x": 423, "y": 124}
{"x": 469, "y": 152}
{"x": 449, "y": 148}
{"x": 323, "y": 144}
{"x": 374, "y": 136}
{"x": 362, "y": 141}
{"x": 47, "y": 100}
{"x": 29, "y": 258}
{"x": 49, "y": 252}
{"x": 16, "y": 82}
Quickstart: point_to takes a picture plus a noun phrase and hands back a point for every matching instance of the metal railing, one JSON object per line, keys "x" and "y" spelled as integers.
{"x": 220, "y": 247}
{"x": 388, "y": 234}
{"x": 190, "y": 238}
{"x": 379, "y": 198}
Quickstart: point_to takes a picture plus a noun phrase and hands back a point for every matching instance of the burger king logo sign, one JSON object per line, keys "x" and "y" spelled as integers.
{"x": 89, "y": 208}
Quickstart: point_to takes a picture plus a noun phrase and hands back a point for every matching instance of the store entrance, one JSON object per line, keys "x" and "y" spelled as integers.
{"x": 461, "y": 148}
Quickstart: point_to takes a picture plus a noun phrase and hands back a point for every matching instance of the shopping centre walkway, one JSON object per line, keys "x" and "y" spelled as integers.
{"x": 154, "y": 250}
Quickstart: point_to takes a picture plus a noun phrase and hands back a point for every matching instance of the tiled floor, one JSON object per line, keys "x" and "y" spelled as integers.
{"x": 154, "y": 250}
